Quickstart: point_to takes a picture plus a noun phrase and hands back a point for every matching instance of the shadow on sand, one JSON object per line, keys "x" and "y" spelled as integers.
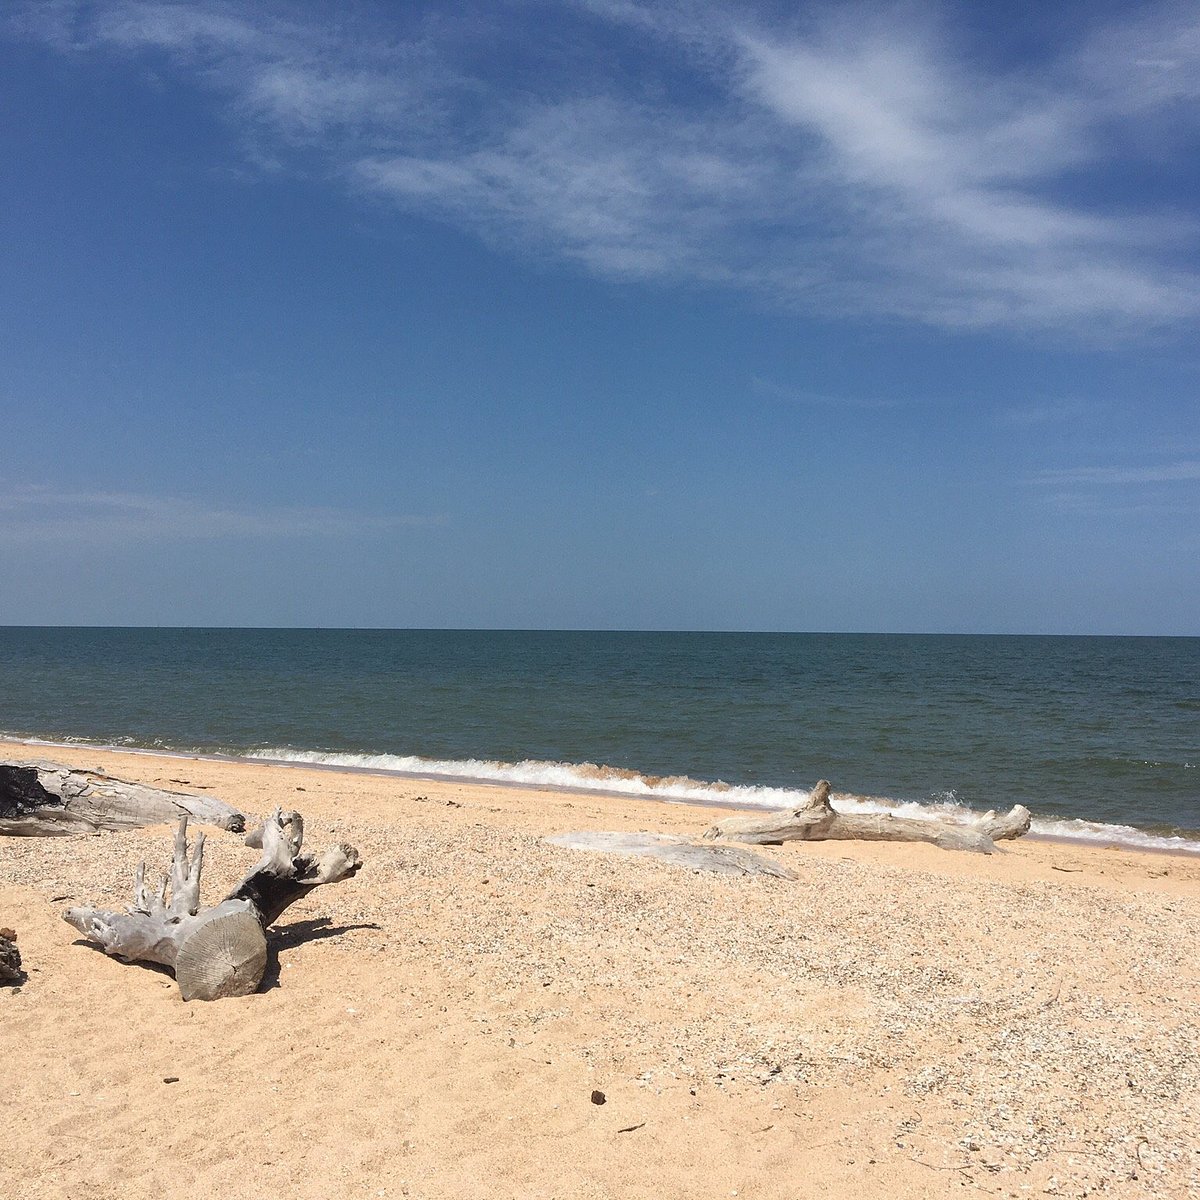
{"x": 298, "y": 934}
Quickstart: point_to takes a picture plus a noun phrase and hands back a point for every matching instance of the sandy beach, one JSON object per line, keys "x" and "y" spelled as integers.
{"x": 899, "y": 1020}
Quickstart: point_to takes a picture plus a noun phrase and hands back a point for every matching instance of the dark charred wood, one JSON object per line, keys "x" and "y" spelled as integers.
{"x": 21, "y": 792}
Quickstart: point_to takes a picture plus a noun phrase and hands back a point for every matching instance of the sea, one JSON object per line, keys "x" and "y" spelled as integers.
{"x": 1098, "y": 736}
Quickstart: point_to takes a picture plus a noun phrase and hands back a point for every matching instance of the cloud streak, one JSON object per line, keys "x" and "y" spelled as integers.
{"x": 810, "y": 399}
{"x": 39, "y": 515}
{"x": 1177, "y": 472}
{"x": 858, "y": 165}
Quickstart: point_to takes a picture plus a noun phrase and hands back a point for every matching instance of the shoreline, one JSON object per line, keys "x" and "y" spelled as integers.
{"x": 897, "y": 1020}
{"x": 1030, "y": 856}
{"x": 1189, "y": 850}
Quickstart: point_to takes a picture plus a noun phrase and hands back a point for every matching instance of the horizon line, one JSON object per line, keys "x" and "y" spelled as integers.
{"x": 594, "y": 629}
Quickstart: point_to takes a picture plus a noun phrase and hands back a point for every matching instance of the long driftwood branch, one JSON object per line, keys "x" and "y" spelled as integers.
{"x": 45, "y": 799}
{"x": 219, "y": 951}
{"x": 817, "y": 820}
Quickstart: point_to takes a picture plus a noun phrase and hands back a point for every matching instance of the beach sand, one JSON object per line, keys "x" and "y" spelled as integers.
{"x": 899, "y": 1020}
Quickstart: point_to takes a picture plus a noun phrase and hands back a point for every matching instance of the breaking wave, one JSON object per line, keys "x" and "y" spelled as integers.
{"x": 685, "y": 790}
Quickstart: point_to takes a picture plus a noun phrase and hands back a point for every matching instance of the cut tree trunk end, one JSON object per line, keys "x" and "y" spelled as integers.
{"x": 219, "y": 951}
{"x": 817, "y": 820}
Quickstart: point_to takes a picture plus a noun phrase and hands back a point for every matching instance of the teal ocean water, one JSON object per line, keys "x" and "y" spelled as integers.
{"x": 1100, "y": 737}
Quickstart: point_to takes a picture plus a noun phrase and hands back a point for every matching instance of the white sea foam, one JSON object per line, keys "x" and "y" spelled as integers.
{"x": 682, "y": 789}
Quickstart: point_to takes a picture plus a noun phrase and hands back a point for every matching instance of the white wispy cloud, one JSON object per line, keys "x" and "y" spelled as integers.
{"x": 858, "y": 163}
{"x": 1146, "y": 62}
{"x": 1033, "y": 413}
{"x": 40, "y": 514}
{"x": 1148, "y": 491}
{"x": 1175, "y": 472}
{"x": 810, "y": 399}
{"x": 1107, "y": 507}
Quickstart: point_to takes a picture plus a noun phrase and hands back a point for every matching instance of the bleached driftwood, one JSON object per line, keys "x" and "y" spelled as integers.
{"x": 817, "y": 820}
{"x": 46, "y": 799}
{"x": 219, "y": 951}
{"x": 678, "y": 851}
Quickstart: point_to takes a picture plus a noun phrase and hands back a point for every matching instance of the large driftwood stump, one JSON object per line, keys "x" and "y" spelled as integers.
{"x": 817, "y": 820}
{"x": 45, "y": 799}
{"x": 219, "y": 951}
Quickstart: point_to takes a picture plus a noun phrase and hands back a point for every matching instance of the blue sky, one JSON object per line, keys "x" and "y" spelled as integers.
{"x": 601, "y": 315}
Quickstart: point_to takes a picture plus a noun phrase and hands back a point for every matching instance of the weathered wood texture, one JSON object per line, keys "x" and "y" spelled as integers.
{"x": 678, "y": 851}
{"x": 219, "y": 951}
{"x": 817, "y": 820}
{"x": 56, "y": 801}
{"x": 10, "y": 959}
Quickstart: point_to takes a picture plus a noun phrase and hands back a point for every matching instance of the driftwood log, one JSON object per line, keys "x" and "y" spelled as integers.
{"x": 45, "y": 799}
{"x": 10, "y": 959}
{"x": 817, "y": 820}
{"x": 678, "y": 851}
{"x": 219, "y": 951}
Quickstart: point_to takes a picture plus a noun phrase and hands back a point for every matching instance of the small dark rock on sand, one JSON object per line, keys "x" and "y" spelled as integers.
{"x": 10, "y": 958}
